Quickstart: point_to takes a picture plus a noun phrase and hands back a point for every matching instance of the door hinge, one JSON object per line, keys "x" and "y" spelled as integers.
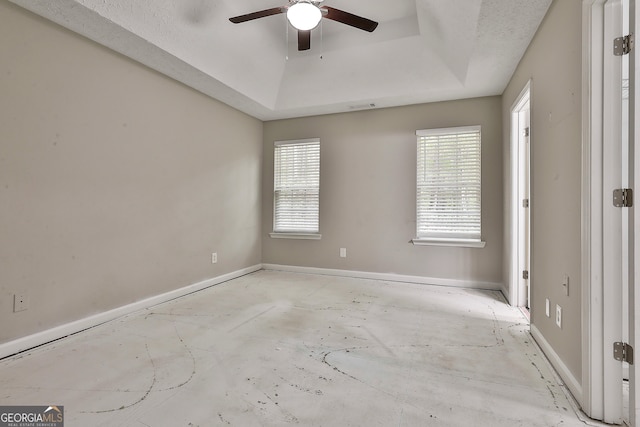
{"x": 623, "y": 352}
{"x": 525, "y": 132}
{"x": 525, "y": 203}
{"x": 525, "y": 274}
{"x": 623, "y": 197}
{"x": 623, "y": 45}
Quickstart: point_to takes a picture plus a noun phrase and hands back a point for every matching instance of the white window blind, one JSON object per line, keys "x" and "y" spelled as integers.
{"x": 448, "y": 184}
{"x": 296, "y": 186}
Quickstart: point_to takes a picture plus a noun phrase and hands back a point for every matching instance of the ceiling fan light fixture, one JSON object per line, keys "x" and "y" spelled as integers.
{"x": 304, "y": 15}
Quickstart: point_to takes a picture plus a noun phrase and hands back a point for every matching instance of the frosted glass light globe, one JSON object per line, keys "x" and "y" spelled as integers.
{"x": 304, "y": 16}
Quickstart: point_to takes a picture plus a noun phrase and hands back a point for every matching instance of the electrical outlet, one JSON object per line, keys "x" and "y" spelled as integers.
{"x": 565, "y": 284}
{"x": 214, "y": 258}
{"x": 546, "y": 307}
{"x": 20, "y": 302}
{"x": 343, "y": 252}
{"x": 559, "y": 316}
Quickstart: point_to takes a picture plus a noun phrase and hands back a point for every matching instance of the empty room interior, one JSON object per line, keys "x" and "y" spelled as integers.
{"x": 401, "y": 216}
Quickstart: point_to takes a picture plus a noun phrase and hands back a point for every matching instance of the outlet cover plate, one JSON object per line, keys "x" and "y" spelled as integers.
{"x": 20, "y": 302}
{"x": 559, "y": 316}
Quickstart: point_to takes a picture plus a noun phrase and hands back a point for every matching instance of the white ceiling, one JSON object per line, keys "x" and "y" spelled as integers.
{"x": 422, "y": 50}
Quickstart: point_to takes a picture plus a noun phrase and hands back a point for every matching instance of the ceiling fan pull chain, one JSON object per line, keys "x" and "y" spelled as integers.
{"x": 321, "y": 41}
{"x": 286, "y": 41}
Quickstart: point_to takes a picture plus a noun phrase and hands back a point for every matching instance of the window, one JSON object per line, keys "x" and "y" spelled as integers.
{"x": 448, "y": 187}
{"x": 296, "y": 189}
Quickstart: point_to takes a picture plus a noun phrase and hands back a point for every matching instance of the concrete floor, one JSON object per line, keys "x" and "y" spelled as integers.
{"x": 274, "y": 348}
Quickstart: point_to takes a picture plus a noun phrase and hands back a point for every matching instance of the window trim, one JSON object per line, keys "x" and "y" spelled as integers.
{"x": 294, "y": 235}
{"x": 460, "y": 243}
{"x": 298, "y": 235}
{"x": 449, "y": 241}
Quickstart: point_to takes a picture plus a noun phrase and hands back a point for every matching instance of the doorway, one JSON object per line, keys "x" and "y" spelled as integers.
{"x": 520, "y": 292}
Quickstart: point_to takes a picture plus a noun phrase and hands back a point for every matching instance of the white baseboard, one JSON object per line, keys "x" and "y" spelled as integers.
{"x": 505, "y": 292}
{"x": 391, "y": 277}
{"x": 561, "y": 369}
{"x": 39, "y": 338}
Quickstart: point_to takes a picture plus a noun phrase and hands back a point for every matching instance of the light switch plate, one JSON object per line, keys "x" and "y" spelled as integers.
{"x": 546, "y": 307}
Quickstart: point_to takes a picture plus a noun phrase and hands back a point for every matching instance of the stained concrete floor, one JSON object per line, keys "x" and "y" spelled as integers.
{"x": 274, "y": 349}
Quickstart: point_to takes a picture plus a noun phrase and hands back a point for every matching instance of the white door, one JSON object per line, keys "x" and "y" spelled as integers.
{"x": 520, "y": 291}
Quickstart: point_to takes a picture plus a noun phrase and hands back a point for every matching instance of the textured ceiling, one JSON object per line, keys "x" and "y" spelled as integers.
{"x": 422, "y": 50}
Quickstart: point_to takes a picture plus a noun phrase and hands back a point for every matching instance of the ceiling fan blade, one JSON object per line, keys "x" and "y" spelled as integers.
{"x": 304, "y": 40}
{"x": 350, "y": 19}
{"x": 256, "y": 15}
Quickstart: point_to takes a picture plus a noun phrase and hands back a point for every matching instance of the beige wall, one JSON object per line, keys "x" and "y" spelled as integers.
{"x": 553, "y": 62}
{"x": 116, "y": 183}
{"x": 367, "y": 192}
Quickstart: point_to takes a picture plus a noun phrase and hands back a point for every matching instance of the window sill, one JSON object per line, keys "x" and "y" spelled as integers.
{"x": 461, "y": 243}
{"x": 299, "y": 236}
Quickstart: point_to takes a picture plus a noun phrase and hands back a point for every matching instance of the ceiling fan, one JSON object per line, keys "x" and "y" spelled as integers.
{"x": 305, "y": 15}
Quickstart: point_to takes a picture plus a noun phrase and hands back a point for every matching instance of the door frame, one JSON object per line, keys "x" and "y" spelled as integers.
{"x": 612, "y": 274}
{"x": 601, "y": 320}
{"x": 591, "y": 221}
{"x": 634, "y": 215}
{"x": 517, "y": 292}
